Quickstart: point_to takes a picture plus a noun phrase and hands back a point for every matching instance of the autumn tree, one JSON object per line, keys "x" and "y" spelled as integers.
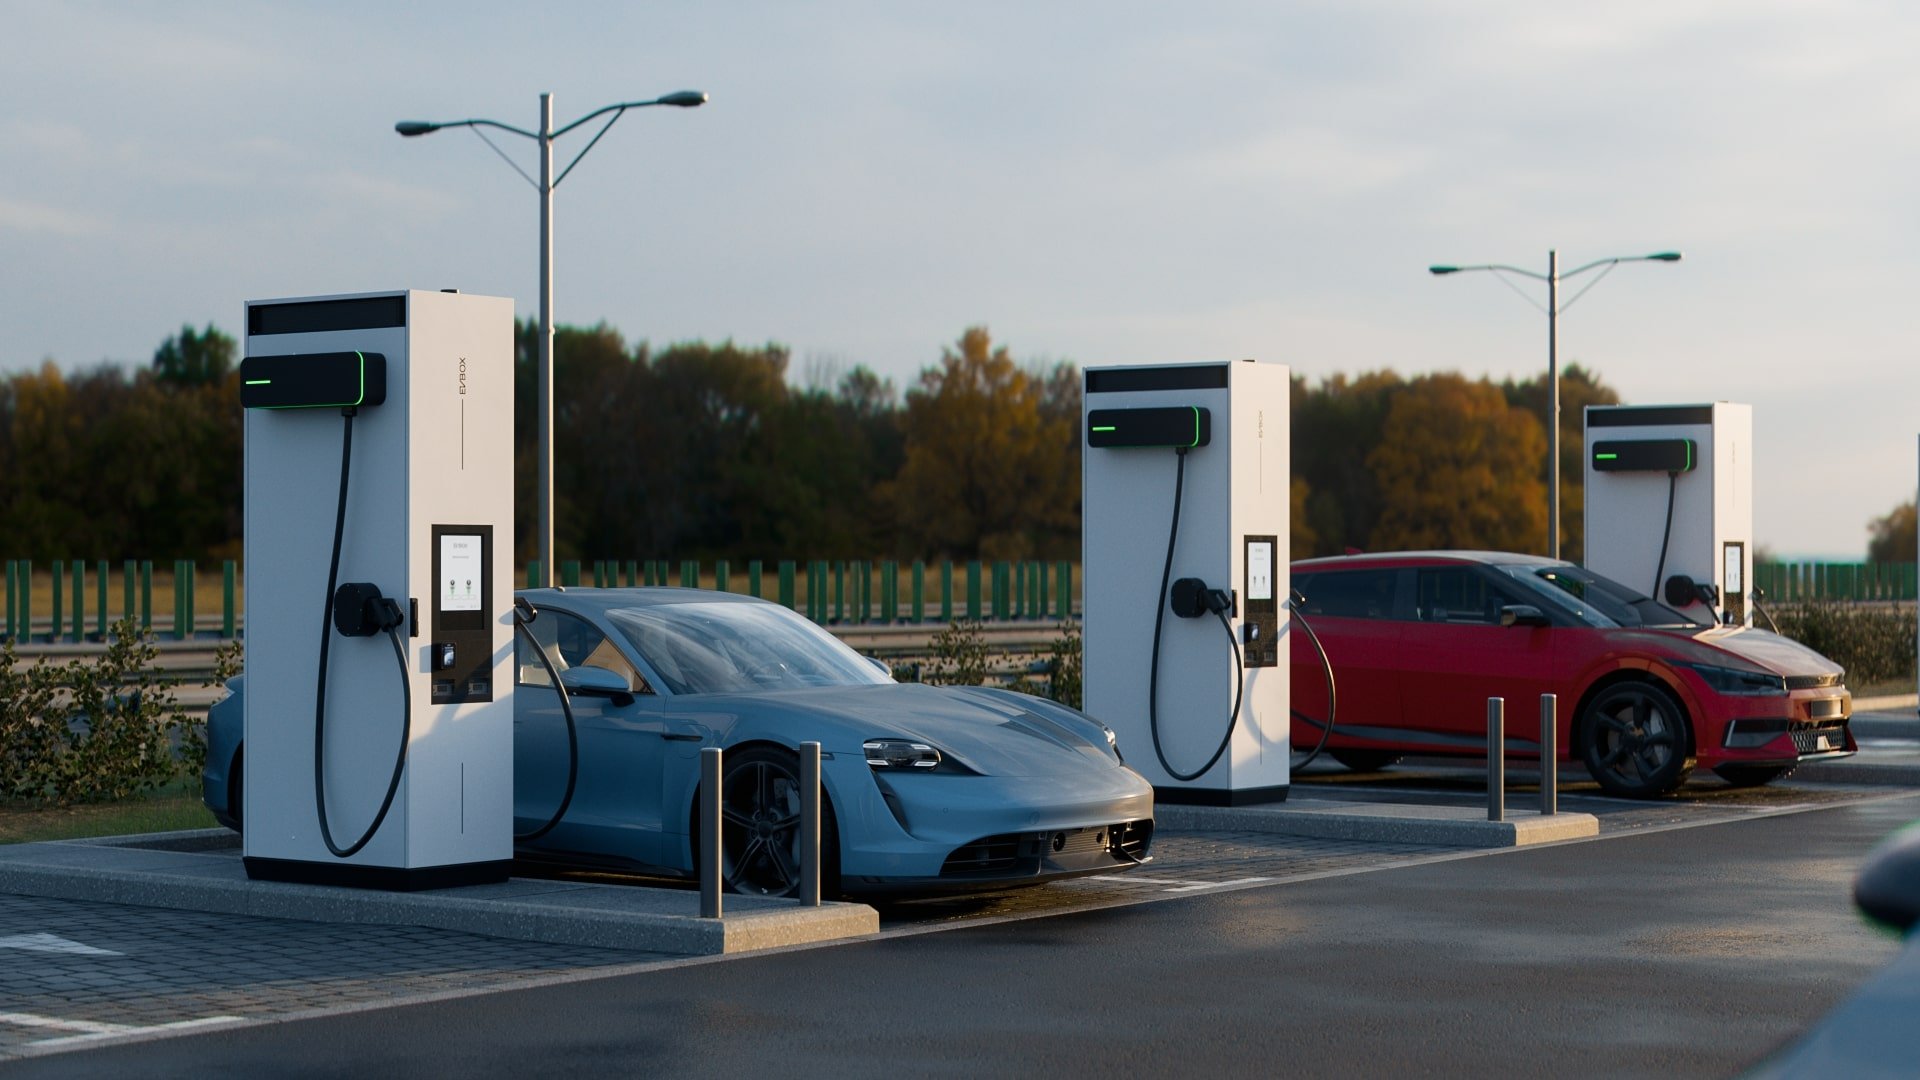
{"x": 1335, "y": 425}
{"x": 1457, "y": 468}
{"x": 1892, "y": 538}
{"x": 991, "y": 468}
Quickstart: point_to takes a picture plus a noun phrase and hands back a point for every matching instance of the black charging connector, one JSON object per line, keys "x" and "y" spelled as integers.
{"x": 360, "y": 610}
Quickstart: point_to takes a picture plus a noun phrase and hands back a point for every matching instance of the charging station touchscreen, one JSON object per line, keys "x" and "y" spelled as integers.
{"x": 461, "y": 572}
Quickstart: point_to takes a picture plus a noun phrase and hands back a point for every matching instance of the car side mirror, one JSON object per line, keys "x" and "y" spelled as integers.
{"x": 1523, "y": 615}
{"x": 589, "y": 681}
{"x": 885, "y": 668}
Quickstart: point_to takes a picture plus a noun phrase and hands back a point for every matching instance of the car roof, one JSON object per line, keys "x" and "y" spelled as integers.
{"x": 1415, "y": 558}
{"x": 639, "y": 596}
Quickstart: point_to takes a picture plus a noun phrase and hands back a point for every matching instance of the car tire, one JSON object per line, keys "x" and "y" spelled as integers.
{"x": 760, "y": 826}
{"x": 1365, "y": 760}
{"x": 1752, "y": 775}
{"x": 1634, "y": 740}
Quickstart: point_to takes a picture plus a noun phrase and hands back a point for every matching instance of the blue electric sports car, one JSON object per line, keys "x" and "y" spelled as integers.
{"x": 928, "y": 788}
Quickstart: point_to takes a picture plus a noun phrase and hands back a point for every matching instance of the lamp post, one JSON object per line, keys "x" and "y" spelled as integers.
{"x": 548, "y": 181}
{"x": 1553, "y": 277}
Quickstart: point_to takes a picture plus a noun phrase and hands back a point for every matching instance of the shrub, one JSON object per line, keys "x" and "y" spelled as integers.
{"x": 959, "y": 655}
{"x": 92, "y": 729}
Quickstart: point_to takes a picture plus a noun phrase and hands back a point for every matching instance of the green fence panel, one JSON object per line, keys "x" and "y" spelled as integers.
{"x": 946, "y": 592}
{"x": 59, "y": 574}
{"x": 26, "y": 599}
{"x": 839, "y": 590}
{"x": 919, "y": 612}
{"x": 785, "y": 570}
{"x": 755, "y": 574}
{"x": 79, "y": 631}
{"x": 570, "y": 573}
{"x": 1019, "y": 605}
{"x": 974, "y": 574}
{"x": 1001, "y": 580}
{"x": 11, "y": 601}
{"x": 1063, "y": 590}
{"x": 721, "y": 575}
{"x": 100, "y": 591}
{"x": 689, "y": 573}
{"x": 227, "y": 574}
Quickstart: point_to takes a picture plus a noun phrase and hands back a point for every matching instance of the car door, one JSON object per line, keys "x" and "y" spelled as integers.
{"x": 1455, "y": 655}
{"x": 1351, "y": 612}
{"x": 616, "y": 806}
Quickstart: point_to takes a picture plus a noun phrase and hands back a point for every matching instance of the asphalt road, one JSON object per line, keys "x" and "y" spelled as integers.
{"x": 1690, "y": 951}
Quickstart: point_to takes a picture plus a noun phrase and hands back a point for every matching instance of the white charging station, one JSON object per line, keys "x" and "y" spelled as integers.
{"x": 379, "y": 454}
{"x": 1219, "y": 433}
{"x": 1669, "y": 491}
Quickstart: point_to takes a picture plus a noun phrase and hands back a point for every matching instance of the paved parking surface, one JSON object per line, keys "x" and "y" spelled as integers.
{"x": 74, "y": 974}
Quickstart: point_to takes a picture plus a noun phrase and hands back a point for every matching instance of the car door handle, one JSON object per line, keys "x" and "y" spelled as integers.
{"x": 681, "y": 736}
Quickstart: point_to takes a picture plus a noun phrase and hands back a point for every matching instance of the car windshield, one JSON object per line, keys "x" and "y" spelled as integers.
{"x": 1593, "y": 599}
{"x": 721, "y": 648}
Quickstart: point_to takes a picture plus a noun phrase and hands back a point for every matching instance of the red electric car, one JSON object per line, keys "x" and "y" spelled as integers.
{"x": 1419, "y": 641}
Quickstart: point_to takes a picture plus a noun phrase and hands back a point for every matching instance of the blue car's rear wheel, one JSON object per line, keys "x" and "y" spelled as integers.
{"x": 760, "y": 825}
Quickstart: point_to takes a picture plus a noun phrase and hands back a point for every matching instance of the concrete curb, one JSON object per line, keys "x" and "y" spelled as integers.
{"x": 554, "y": 912}
{"x": 1456, "y": 826}
{"x": 1904, "y": 773}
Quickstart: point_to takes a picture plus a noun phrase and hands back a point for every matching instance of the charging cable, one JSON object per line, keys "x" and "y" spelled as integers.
{"x": 1191, "y": 599}
{"x": 1294, "y": 604}
{"x": 523, "y": 614}
{"x": 1666, "y": 534}
{"x": 375, "y": 613}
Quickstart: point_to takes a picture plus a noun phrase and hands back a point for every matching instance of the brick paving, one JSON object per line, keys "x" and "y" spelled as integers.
{"x": 154, "y": 967}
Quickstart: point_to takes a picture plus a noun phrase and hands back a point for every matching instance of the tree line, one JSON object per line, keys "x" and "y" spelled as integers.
{"x": 702, "y": 450}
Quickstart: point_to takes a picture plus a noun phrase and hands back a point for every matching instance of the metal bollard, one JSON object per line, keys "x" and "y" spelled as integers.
{"x": 710, "y": 848}
{"x": 1549, "y": 755}
{"x": 809, "y": 839}
{"x": 1496, "y": 759}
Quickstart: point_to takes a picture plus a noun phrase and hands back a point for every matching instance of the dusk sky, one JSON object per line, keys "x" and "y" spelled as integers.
{"x": 1096, "y": 182}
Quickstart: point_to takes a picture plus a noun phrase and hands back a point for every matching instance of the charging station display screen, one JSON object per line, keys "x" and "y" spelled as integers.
{"x": 462, "y": 572}
{"x": 1259, "y": 571}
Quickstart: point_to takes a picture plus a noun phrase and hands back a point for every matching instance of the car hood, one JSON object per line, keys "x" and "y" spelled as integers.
{"x": 987, "y": 732}
{"x": 1781, "y": 655}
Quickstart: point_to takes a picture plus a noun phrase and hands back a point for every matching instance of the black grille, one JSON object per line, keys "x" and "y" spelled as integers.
{"x": 1806, "y": 736}
{"x": 987, "y": 855}
{"x": 1812, "y": 682}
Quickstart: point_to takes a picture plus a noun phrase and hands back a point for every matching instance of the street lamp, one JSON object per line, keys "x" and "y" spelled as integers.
{"x": 684, "y": 99}
{"x": 1553, "y": 277}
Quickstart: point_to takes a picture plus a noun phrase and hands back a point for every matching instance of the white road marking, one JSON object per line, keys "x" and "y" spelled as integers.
{"x": 89, "y": 1030}
{"x": 1171, "y": 884}
{"x": 50, "y": 943}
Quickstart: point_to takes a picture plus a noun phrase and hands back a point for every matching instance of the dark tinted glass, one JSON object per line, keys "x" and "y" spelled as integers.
{"x": 1460, "y": 594}
{"x": 1351, "y": 594}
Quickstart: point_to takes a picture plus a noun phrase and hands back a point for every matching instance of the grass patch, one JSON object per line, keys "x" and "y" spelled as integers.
{"x": 175, "y": 806}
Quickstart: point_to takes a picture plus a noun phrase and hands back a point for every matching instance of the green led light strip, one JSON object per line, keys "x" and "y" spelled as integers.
{"x": 259, "y": 382}
{"x": 1104, "y": 427}
{"x": 1605, "y": 457}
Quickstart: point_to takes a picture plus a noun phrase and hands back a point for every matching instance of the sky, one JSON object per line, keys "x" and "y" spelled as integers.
{"x": 1102, "y": 183}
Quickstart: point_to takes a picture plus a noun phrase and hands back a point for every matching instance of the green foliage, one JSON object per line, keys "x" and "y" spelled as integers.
{"x": 194, "y": 359}
{"x": 1063, "y": 670}
{"x": 959, "y": 655}
{"x": 92, "y": 729}
{"x": 1893, "y": 537}
{"x": 1874, "y": 643}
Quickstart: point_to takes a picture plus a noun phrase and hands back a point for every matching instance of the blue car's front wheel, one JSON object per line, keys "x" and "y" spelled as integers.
{"x": 760, "y": 825}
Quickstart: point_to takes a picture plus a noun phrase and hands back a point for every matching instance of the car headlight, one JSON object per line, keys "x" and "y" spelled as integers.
{"x": 1739, "y": 681}
{"x": 900, "y": 754}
